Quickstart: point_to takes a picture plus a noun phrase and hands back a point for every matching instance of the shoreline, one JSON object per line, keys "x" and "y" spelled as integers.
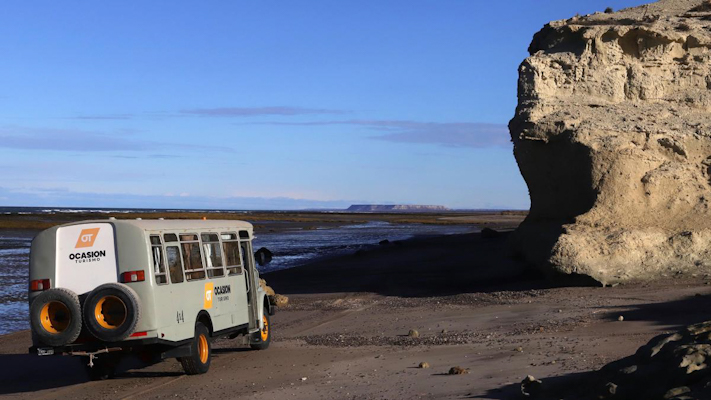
{"x": 262, "y": 219}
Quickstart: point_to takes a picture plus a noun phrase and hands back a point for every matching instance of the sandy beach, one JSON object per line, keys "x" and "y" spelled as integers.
{"x": 344, "y": 334}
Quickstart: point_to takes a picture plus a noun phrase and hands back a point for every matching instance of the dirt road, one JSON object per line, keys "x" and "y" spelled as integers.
{"x": 355, "y": 345}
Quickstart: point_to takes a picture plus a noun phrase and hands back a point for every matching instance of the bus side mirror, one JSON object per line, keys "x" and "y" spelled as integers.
{"x": 263, "y": 256}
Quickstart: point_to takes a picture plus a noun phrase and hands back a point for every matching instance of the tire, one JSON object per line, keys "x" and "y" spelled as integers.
{"x": 111, "y": 312}
{"x": 201, "y": 352}
{"x": 262, "y": 339}
{"x": 55, "y": 317}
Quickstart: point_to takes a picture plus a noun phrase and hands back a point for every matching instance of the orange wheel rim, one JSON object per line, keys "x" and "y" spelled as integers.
{"x": 265, "y": 331}
{"x": 203, "y": 349}
{"x": 55, "y": 317}
{"x": 110, "y": 312}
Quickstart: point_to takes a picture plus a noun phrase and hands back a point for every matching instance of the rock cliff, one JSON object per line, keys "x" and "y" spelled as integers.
{"x": 612, "y": 135}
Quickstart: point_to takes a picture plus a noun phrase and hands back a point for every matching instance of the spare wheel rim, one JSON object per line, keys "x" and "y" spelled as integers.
{"x": 110, "y": 312}
{"x": 55, "y": 317}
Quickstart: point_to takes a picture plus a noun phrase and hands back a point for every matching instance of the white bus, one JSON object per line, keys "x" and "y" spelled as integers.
{"x": 157, "y": 289}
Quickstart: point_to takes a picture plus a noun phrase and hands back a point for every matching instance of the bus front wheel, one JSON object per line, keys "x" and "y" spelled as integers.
{"x": 262, "y": 338}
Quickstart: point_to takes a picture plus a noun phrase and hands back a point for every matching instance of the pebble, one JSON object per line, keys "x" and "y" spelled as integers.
{"x": 530, "y": 386}
{"x": 457, "y": 371}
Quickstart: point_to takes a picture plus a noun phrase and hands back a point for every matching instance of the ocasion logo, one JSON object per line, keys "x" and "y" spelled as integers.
{"x": 87, "y": 238}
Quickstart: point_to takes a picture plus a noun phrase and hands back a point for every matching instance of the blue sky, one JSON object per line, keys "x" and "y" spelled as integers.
{"x": 264, "y": 105}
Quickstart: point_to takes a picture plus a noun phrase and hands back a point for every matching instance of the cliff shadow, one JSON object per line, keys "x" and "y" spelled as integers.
{"x": 433, "y": 266}
{"x": 669, "y": 316}
{"x": 573, "y": 386}
{"x": 559, "y": 177}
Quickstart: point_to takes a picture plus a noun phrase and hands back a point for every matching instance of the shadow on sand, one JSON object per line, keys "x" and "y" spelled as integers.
{"x": 28, "y": 373}
{"x": 568, "y": 387}
{"x": 672, "y": 315}
{"x": 669, "y": 316}
{"x": 419, "y": 267}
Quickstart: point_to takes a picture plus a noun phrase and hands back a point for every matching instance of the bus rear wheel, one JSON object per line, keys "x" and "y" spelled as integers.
{"x": 199, "y": 361}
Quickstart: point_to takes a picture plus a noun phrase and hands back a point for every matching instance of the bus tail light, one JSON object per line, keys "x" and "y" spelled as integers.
{"x": 133, "y": 276}
{"x": 39, "y": 285}
{"x": 139, "y": 334}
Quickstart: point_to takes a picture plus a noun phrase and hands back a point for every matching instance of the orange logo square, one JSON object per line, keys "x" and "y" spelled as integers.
{"x": 209, "y": 292}
{"x": 87, "y": 237}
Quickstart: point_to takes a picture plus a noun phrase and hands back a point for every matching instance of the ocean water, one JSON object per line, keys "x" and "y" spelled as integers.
{"x": 14, "y": 261}
{"x": 291, "y": 248}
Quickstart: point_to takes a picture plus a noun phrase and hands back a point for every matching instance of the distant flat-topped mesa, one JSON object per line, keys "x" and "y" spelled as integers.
{"x": 612, "y": 135}
{"x": 394, "y": 208}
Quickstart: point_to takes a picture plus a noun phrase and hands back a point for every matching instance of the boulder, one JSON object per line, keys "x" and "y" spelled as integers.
{"x": 277, "y": 299}
{"x": 280, "y": 300}
{"x": 531, "y": 387}
{"x": 268, "y": 289}
{"x": 457, "y": 371}
{"x": 612, "y": 135}
{"x": 670, "y": 366}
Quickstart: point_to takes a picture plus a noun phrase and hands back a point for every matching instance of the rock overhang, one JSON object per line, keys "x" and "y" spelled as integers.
{"x": 612, "y": 135}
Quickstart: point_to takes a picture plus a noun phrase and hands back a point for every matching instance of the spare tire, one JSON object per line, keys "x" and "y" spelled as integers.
{"x": 55, "y": 317}
{"x": 111, "y": 312}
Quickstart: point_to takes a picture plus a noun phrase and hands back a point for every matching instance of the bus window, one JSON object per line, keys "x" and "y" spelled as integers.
{"x": 213, "y": 255}
{"x": 192, "y": 260}
{"x": 230, "y": 245}
{"x": 158, "y": 261}
{"x": 170, "y": 237}
{"x": 175, "y": 267}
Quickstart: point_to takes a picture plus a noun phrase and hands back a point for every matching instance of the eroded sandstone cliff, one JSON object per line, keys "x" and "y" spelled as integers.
{"x": 612, "y": 134}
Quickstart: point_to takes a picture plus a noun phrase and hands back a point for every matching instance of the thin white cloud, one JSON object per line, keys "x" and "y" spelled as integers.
{"x": 77, "y": 140}
{"x": 258, "y": 111}
{"x": 60, "y": 197}
{"x": 104, "y": 117}
{"x": 451, "y": 134}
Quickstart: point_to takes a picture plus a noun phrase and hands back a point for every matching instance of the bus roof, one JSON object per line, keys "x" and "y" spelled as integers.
{"x": 174, "y": 224}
